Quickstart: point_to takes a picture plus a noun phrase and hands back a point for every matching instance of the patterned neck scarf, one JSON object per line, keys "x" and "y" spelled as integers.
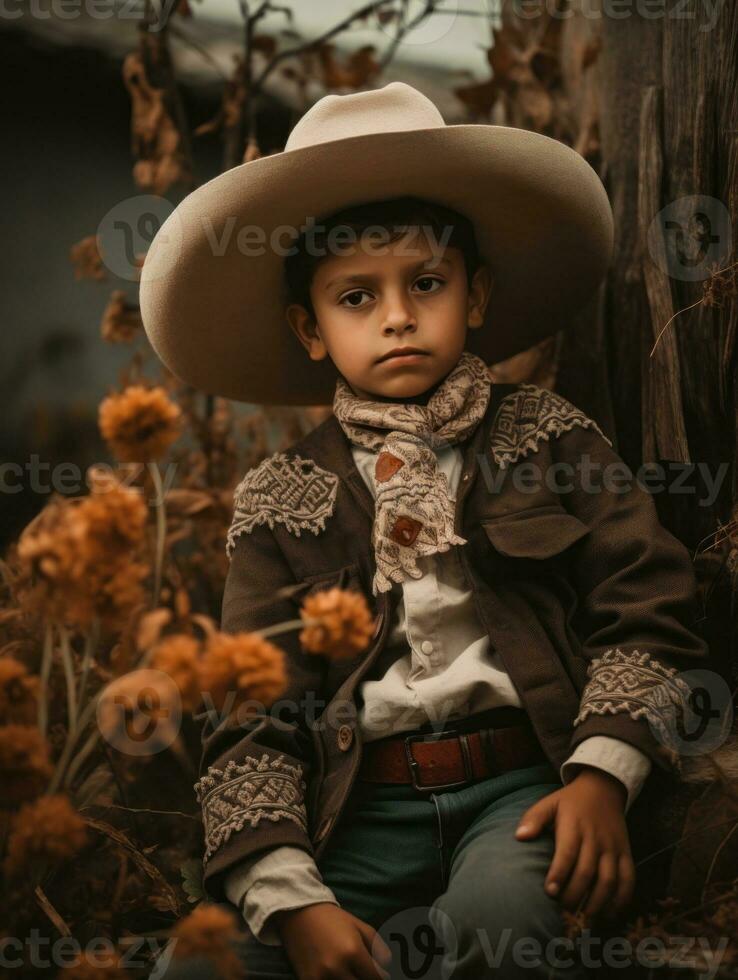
{"x": 414, "y": 511}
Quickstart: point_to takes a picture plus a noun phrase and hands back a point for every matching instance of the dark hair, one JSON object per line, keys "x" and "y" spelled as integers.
{"x": 393, "y": 215}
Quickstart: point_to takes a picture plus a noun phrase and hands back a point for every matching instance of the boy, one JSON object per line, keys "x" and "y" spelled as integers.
{"x": 531, "y": 625}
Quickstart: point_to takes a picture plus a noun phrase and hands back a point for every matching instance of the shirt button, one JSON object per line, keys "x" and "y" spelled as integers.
{"x": 426, "y": 646}
{"x": 345, "y": 737}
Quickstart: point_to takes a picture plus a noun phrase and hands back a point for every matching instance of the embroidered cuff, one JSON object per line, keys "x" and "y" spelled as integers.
{"x": 247, "y": 792}
{"x": 286, "y": 878}
{"x": 613, "y": 755}
{"x": 641, "y": 686}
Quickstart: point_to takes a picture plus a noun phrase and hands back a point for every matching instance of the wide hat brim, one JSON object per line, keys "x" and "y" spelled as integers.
{"x": 213, "y": 299}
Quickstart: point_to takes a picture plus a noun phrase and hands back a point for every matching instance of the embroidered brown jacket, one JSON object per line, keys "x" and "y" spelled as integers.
{"x": 588, "y": 599}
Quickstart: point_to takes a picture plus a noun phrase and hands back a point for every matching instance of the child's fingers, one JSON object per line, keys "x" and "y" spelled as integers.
{"x": 365, "y": 967}
{"x": 583, "y": 874}
{"x": 536, "y": 817}
{"x": 605, "y": 884}
{"x": 568, "y": 843}
{"x": 378, "y": 948}
{"x": 626, "y": 881}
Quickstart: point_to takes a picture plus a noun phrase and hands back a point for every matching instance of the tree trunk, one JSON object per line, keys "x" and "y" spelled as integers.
{"x": 668, "y": 96}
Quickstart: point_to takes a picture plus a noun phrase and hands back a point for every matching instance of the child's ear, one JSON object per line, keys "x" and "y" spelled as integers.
{"x": 479, "y": 293}
{"x": 305, "y": 329}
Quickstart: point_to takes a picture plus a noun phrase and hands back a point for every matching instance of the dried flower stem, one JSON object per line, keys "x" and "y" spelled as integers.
{"x": 72, "y": 738}
{"x": 161, "y": 531}
{"x": 74, "y": 700}
{"x": 699, "y": 302}
{"x": 86, "y": 750}
{"x": 66, "y": 655}
{"x": 666, "y": 325}
{"x": 285, "y": 627}
{"x": 90, "y": 645}
{"x": 48, "y": 652}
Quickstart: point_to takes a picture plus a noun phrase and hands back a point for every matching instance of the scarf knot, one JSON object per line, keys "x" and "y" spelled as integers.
{"x": 414, "y": 510}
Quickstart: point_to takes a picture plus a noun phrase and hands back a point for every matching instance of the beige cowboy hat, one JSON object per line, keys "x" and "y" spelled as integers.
{"x": 213, "y": 293}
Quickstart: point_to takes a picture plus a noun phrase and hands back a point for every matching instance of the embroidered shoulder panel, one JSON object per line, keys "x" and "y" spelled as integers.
{"x": 529, "y": 415}
{"x": 247, "y": 792}
{"x": 641, "y": 686}
{"x": 286, "y": 490}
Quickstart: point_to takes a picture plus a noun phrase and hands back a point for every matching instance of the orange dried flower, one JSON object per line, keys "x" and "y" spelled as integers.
{"x": 157, "y": 143}
{"x": 178, "y": 656}
{"x": 86, "y": 259}
{"x": 77, "y": 558}
{"x": 48, "y": 828}
{"x": 97, "y": 964}
{"x": 209, "y": 931}
{"x": 121, "y": 320}
{"x": 140, "y": 712}
{"x": 139, "y": 424}
{"x": 722, "y": 284}
{"x": 18, "y": 693}
{"x": 245, "y": 664}
{"x": 25, "y": 768}
{"x": 338, "y": 623}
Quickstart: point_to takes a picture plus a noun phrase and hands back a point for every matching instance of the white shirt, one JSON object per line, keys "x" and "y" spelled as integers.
{"x": 448, "y": 672}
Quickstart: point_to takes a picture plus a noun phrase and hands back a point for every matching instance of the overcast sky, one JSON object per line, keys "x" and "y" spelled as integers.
{"x": 456, "y": 38}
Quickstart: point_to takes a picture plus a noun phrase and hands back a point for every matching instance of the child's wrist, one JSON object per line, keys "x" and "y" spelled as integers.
{"x": 593, "y": 774}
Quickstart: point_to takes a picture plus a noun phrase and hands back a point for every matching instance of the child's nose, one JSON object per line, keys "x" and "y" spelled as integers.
{"x": 401, "y": 327}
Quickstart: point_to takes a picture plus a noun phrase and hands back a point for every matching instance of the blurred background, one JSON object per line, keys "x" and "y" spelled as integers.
{"x": 69, "y": 159}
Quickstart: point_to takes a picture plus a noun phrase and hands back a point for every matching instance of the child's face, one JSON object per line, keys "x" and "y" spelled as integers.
{"x": 374, "y": 298}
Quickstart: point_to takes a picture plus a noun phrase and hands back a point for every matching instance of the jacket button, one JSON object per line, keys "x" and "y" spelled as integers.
{"x": 345, "y": 737}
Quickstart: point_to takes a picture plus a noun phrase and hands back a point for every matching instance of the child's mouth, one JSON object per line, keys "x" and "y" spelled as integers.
{"x": 411, "y": 355}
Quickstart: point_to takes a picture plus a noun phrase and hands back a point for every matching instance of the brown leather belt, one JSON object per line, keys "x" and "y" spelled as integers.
{"x": 451, "y": 757}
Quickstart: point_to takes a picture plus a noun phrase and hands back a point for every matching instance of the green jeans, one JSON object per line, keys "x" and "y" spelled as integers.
{"x": 445, "y": 882}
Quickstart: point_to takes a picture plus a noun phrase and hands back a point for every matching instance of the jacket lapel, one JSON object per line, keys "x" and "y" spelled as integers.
{"x": 333, "y": 451}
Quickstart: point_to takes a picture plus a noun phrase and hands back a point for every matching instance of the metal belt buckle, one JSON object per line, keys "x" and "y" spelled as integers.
{"x": 465, "y": 755}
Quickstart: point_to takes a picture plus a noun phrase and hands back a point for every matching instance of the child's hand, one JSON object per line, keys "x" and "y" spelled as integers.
{"x": 592, "y": 843}
{"x": 324, "y": 941}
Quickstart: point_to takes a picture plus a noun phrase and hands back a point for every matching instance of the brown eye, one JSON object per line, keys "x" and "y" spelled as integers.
{"x": 429, "y": 279}
{"x": 354, "y": 293}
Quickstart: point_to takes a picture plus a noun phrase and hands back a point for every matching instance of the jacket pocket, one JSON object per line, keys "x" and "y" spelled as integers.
{"x": 538, "y": 533}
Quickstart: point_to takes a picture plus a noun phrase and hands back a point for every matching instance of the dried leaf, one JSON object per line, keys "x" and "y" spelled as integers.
{"x": 591, "y": 52}
{"x": 51, "y": 912}
{"x": 169, "y": 902}
{"x": 265, "y": 44}
{"x": 150, "y": 626}
{"x": 191, "y": 871}
{"x": 182, "y": 501}
{"x": 87, "y": 259}
{"x": 208, "y": 625}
